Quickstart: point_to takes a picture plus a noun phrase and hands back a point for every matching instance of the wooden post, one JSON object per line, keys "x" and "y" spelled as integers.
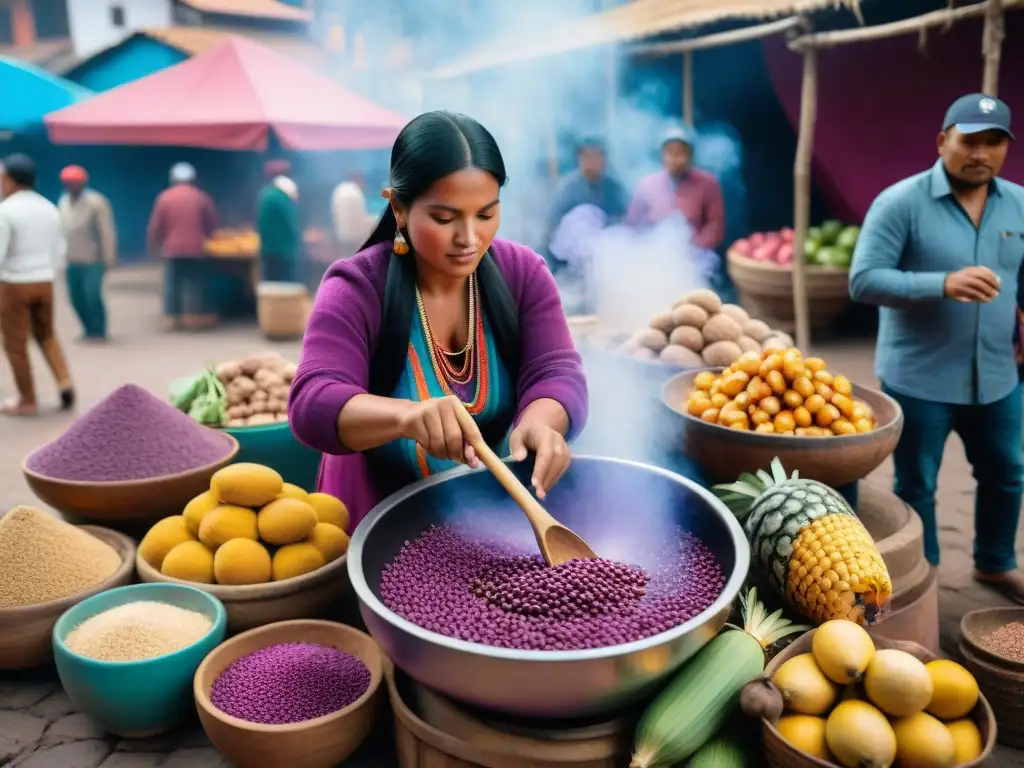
{"x": 688, "y": 87}
{"x": 802, "y": 196}
{"x": 992, "y": 46}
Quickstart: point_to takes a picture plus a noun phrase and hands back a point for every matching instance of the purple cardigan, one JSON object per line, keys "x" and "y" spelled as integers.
{"x": 342, "y": 333}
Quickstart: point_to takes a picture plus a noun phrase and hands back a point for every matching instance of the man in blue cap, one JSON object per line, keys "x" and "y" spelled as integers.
{"x": 940, "y": 253}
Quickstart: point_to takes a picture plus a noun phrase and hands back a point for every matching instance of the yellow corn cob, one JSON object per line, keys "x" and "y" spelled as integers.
{"x": 811, "y": 546}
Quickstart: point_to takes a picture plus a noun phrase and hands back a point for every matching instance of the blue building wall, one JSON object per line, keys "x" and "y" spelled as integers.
{"x": 135, "y": 58}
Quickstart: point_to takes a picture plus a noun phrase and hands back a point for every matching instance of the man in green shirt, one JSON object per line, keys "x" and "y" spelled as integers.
{"x": 279, "y": 227}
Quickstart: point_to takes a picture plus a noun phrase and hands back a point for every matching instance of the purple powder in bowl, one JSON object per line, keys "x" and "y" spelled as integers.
{"x": 454, "y": 585}
{"x": 289, "y": 683}
{"x": 130, "y": 435}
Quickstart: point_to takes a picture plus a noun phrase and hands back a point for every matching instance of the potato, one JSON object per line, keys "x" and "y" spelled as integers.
{"x": 736, "y": 312}
{"x": 282, "y": 417}
{"x": 663, "y": 321}
{"x": 257, "y": 407}
{"x": 251, "y": 364}
{"x": 258, "y": 419}
{"x": 705, "y": 299}
{"x": 236, "y": 412}
{"x": 228, "y": 372}
{"x": 266, "y": 379}
{"x": 652, "y": 339}
{"x": 680, "y": 356}
{"x": 259, "y": 396}
{"x": 721, "y": 353}
{"x": 281, "y": 392}
{"x": 235, "y": 423}
{"x": 244, "y": 386}
{"x": 691, "y": 315}
{"x": 721, "y": 328}
{"x": 758, "y": 330}
{"x": 645, "y": 354}
{"x": 687, "y": 336}
{"x": 748, "y": 344}
{"x": 773, "y": 342}
{"x": 288, "y": 372}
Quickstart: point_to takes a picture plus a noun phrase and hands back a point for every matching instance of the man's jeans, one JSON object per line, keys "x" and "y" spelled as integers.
{"x": 991, "y": 435}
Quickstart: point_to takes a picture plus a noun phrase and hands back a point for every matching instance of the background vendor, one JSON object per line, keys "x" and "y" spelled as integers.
{"x": 680, "y": 188}
{"x": 431, "y": 310}
{"x": 279, "y": 226}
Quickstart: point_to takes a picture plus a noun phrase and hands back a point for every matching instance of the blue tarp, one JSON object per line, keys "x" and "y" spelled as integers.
{"x": 30, "y": 93}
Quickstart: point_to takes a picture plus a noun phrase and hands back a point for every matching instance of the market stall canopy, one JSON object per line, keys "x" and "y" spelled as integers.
{"x": 631, "y": 21}
{"x": 31, "y": 93}
{"x": 230, "y": 97}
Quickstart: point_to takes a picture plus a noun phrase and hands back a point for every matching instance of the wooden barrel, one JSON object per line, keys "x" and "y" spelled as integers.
{"x": 1003, "y": 685}
{"x": 914, "y": 615}
{"x": 766, "y": 291}
{"x": 431, "y": 732}
{"x": 282, "y": 310}
{"x": 899, "y": 535}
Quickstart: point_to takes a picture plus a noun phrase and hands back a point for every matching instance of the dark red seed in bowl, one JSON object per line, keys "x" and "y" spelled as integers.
{"x": 457, "y": 586}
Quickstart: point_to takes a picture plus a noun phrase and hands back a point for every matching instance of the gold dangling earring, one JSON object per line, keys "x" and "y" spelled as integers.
{"x": 401, "y": 246}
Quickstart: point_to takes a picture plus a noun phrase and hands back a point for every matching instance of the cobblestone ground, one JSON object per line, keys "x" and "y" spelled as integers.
{"x": 38, "y": 725}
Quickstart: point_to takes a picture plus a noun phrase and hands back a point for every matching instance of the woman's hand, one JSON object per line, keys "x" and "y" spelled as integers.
{"x": 434, "y": 425}
{"x": 551, "y": 450}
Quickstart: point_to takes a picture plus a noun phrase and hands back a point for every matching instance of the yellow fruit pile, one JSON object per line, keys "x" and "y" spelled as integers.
{"x": 853, "y": 705}
{"x": 250, "y": 528}
{"x": 780, "y": 392}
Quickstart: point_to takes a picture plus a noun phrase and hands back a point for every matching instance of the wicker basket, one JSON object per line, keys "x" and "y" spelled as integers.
{"x": 282, "y": 310}
{"x": 766, "y": 291}
{"x": 781, "y": 754}
{"x": 1005, "y": 690}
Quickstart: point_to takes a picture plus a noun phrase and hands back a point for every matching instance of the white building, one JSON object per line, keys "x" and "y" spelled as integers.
{"x": 98, "y": 24}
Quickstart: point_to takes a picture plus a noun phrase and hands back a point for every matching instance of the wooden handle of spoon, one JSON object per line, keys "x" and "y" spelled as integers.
{"x": 538, "y": 516}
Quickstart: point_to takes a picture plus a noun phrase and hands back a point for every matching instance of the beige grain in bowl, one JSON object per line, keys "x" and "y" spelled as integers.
{"x": 309, "y": 596}
{"x": 45, "y": 560}
{"x": 320, "y": 743}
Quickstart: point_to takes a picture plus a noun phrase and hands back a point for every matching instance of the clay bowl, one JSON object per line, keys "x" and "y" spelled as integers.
{"x": 977, "y": 625}
{"x": 722, "y": 454}
{"x": 26, "y": 631}
{"x": 781, "y": 754}
{"x": 254, "y": 605}
{"x": 320, "y": 743}
{"x": 131, "y": 501}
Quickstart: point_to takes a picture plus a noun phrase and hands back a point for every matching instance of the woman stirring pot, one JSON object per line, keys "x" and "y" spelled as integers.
{"x": 434, "y": 310}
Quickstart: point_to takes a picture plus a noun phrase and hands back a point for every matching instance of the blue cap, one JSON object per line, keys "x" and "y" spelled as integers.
{"x": 976, "y": 113}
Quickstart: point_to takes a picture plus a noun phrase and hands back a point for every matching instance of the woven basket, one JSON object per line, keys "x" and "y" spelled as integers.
{"x": 1005, "y": 690}
{"x": 282, "y": 310}
{"x": 781, "y": 754}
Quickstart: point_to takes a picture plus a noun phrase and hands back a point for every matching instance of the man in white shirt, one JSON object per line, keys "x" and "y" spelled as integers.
{"x": 32, "y": 249}
{"x": 91, "y": 249}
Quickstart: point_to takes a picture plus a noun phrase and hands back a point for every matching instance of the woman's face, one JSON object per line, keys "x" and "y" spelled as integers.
{"x": 452, "y": 224}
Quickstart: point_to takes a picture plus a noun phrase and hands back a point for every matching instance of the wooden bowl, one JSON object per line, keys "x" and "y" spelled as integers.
{"x": 320, "y": 743}
{"x": 26, "y": 631}
{"x": 303, "y": 597}
{"x": 766, "y": 291}
{"x": 781, "y": 754}
{"x": 977, "y": 625}
{"x": 723, "y": 454}
{"x": 128, "y": 501}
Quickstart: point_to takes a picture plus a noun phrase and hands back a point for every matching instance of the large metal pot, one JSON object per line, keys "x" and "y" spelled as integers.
{"x": 609, "y": 502}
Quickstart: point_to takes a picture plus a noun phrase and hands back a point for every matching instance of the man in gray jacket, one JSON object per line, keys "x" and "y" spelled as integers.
{"x": 92, "y": 249}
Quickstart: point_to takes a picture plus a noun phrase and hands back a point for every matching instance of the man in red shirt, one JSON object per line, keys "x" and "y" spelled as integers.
{"x": 183, "y": 218}
{"x": 681, "y": 188}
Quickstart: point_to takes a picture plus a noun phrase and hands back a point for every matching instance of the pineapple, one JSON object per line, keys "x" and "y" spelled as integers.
{"x": 811, "y": 545}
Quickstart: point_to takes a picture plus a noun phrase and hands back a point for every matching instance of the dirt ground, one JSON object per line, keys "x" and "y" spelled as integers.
{"x": 38, "y": 727}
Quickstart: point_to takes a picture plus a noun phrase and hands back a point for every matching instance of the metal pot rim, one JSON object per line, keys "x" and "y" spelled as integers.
{"x": 729, "y": 593}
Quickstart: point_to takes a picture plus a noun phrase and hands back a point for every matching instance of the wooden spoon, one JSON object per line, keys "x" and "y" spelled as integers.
{"x": 557, "y": 543}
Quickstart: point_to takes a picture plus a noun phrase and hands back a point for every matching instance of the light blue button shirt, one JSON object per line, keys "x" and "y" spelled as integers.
{"x": 931, "y": 347}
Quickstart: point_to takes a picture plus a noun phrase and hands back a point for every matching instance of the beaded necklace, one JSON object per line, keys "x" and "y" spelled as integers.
{"x": 444, "y": 362}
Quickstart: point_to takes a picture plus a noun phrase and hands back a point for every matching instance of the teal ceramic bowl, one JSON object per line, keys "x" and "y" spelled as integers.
{"x": 135, "y": 699}
{"x": 274, "y": 446}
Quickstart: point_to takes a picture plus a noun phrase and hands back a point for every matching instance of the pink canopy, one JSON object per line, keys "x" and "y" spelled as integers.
{"x": 230, "y": 97}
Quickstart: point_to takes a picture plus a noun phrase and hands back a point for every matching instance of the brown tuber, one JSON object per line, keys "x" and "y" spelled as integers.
{"x": 681, "y": 357}
{"x": 747, "y": 344}
{"x": 690, "y": 314}
{"x": 721, "y": 354}
{"x": 689, "y": 337}
{"x": 705, "y": 299}
{"x": 663, "y": 321}
{"x": 761, "y": 699}
{"x": 758, "y": 330}
{"x": 652, "y": 339}
{"x": 721, "y": 328}
{"x": 737, "y": 313}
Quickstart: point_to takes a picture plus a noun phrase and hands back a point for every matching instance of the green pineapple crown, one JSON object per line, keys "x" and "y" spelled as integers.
{"x": 741, "y": 496}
